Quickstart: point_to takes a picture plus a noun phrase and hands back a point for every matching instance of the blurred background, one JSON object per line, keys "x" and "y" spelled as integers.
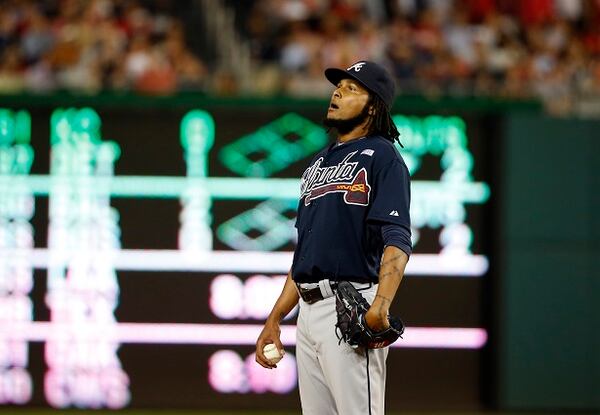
{"x": 150, "y": 154}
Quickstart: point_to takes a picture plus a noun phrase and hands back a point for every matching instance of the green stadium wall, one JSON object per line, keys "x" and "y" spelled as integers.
{"x": 548, "y": 317}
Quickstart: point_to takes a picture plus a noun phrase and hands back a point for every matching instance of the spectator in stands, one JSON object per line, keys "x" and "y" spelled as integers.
{"x": 11, "y": 77}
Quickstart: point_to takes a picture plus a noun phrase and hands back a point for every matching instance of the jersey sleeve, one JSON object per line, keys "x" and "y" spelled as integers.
{"x": 391, "y": 195}
{"x": 398, "y": 236}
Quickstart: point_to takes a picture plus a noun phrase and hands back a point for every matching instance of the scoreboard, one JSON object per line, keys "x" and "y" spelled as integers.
{"x": 141, "y": 251}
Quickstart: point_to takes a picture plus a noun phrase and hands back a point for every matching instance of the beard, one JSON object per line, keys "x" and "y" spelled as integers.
{"x": 345, "y": 126}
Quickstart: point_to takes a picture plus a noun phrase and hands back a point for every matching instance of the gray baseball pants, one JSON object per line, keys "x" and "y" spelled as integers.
{"x": 334, "y": 378}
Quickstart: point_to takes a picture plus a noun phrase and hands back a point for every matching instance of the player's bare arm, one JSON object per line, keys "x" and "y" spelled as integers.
{"x": 390, "y": 276}
{"x": 271, "y": 332}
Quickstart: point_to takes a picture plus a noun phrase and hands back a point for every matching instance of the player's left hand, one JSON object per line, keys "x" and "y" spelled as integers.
{"x": 377, "y": 319}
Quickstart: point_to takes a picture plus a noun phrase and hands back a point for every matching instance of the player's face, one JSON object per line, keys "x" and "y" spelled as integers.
{"x": 348, "y": 100}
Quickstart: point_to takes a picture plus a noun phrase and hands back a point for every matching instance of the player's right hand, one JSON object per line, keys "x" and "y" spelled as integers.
{"x": 269, "y": 334}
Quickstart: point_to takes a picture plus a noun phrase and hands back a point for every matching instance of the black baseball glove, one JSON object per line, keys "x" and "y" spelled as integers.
{"x": 351, "y": 327}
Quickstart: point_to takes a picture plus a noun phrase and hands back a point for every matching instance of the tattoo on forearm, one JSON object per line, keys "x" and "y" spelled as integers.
{"x": 390, "y": 267}
{"x": 394, "y": 271}
{"x": 393, "y": 259}
{"x": 385, "y": 299}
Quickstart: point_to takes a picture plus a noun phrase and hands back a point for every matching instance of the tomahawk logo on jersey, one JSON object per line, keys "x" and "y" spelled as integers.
{"x": 361, "y": 181}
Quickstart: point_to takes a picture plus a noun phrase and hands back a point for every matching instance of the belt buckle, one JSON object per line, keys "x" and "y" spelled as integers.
{"x": 310, "y": 295}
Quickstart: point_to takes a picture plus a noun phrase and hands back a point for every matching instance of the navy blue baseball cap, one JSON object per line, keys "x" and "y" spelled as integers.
{"x": 372, "y": 76}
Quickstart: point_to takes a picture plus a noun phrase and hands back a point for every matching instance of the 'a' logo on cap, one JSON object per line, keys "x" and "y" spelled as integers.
{"x": 356, "y": 66}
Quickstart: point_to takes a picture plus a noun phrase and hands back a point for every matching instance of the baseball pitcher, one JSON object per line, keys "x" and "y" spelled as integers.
{"x": 353, "y": 245}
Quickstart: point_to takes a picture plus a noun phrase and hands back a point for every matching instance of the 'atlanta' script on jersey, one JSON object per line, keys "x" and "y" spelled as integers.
{"x": 319, "y": 181}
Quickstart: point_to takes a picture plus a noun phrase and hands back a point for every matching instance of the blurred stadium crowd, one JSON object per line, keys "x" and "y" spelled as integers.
{"x": 548, "y": 49}
{"x": 508, "y": 48}
{"x": 90, "y": 45}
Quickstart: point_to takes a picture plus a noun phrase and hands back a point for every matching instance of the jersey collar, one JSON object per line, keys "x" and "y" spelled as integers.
{"x": 336, "y": 145}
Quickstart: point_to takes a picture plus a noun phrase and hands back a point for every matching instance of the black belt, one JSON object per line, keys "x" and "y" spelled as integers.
{"x": 312, "y": 295}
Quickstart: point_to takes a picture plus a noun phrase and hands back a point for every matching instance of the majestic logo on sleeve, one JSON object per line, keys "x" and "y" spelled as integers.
{"x": 319, "y": 181}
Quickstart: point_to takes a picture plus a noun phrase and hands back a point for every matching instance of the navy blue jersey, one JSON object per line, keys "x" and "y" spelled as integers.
{"x": 347, "y": 193}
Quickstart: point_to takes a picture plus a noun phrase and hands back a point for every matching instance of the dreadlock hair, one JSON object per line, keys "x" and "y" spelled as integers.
{"x": 381, "y": 122}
